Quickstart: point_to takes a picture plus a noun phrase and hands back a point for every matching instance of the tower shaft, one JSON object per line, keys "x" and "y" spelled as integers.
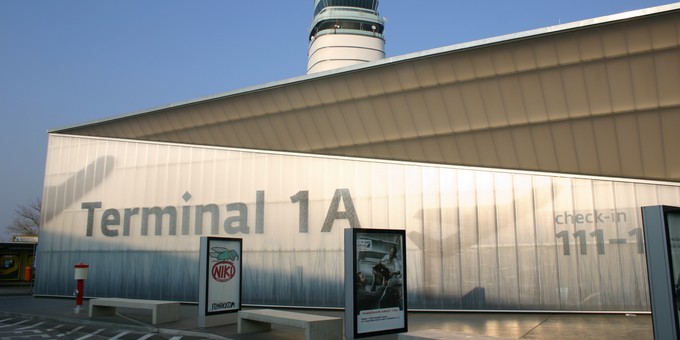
{"x": 344, "y": 33}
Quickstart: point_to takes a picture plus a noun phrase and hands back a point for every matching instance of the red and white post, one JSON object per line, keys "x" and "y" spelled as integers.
{"x": 81, "y": 270}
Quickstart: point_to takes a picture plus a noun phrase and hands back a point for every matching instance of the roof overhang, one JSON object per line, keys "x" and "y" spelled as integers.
{"x": 597, "y": 97}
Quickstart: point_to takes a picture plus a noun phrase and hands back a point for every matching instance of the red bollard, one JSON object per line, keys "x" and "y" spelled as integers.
{"x": 27, "y": 274}
{"x": 81, "y": 270}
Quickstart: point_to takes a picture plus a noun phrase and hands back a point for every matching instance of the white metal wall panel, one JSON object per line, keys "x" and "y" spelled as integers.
{"x": 477, "y": 239}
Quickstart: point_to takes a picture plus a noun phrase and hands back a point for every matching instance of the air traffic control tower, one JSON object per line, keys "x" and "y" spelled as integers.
{"x": 343, "y": 33}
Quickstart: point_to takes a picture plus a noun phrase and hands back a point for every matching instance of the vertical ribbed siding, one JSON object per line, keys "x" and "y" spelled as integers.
{"x": 476, "y": 239}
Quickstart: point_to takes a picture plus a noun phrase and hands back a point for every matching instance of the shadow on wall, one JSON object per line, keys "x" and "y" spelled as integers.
{"x": 474, "y": 299}
{"x": 76, "y": 186}
{"x": 269, "y": 278}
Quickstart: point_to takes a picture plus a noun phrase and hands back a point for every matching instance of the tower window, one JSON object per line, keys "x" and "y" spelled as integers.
{"x": 346, "y": 25}
{"x": 366, "y": 4}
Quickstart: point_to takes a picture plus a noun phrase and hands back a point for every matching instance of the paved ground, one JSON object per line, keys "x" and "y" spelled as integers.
{"x": 25, "y": 328}
{"x": 19, "y": 302}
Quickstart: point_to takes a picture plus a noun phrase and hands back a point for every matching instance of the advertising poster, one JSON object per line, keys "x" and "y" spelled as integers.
{"x": 378, "y": 281}
{"x": 221, "y": 272}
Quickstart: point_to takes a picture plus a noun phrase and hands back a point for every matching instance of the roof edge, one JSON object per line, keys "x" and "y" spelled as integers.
{"x": 533, "y": 33}
{"x": 387, "y": 161}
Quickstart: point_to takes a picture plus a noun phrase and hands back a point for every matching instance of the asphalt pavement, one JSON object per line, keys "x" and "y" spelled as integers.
{"x": 19, "y": 301}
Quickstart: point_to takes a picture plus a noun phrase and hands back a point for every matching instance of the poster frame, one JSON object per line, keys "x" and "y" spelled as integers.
{"x": 663, "y": 281}
{"x": 204, "y": 296}
{"x": 352, "y": 307}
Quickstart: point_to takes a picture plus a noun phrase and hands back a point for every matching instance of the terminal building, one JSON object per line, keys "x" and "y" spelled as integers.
{"x": 516, "y": 165}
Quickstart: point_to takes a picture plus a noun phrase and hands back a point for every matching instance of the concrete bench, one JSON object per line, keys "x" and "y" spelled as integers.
{"x": 438, "y": 334}
{"x": 315, "y": 326}
{"x": 161, "y": 311}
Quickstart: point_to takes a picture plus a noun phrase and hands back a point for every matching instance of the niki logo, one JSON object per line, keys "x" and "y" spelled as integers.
{"x": 223, "y": 268}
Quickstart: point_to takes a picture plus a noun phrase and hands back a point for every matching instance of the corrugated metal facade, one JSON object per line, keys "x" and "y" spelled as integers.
{"x": 477, "y": 239}
{"x": 598, "y": 97}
